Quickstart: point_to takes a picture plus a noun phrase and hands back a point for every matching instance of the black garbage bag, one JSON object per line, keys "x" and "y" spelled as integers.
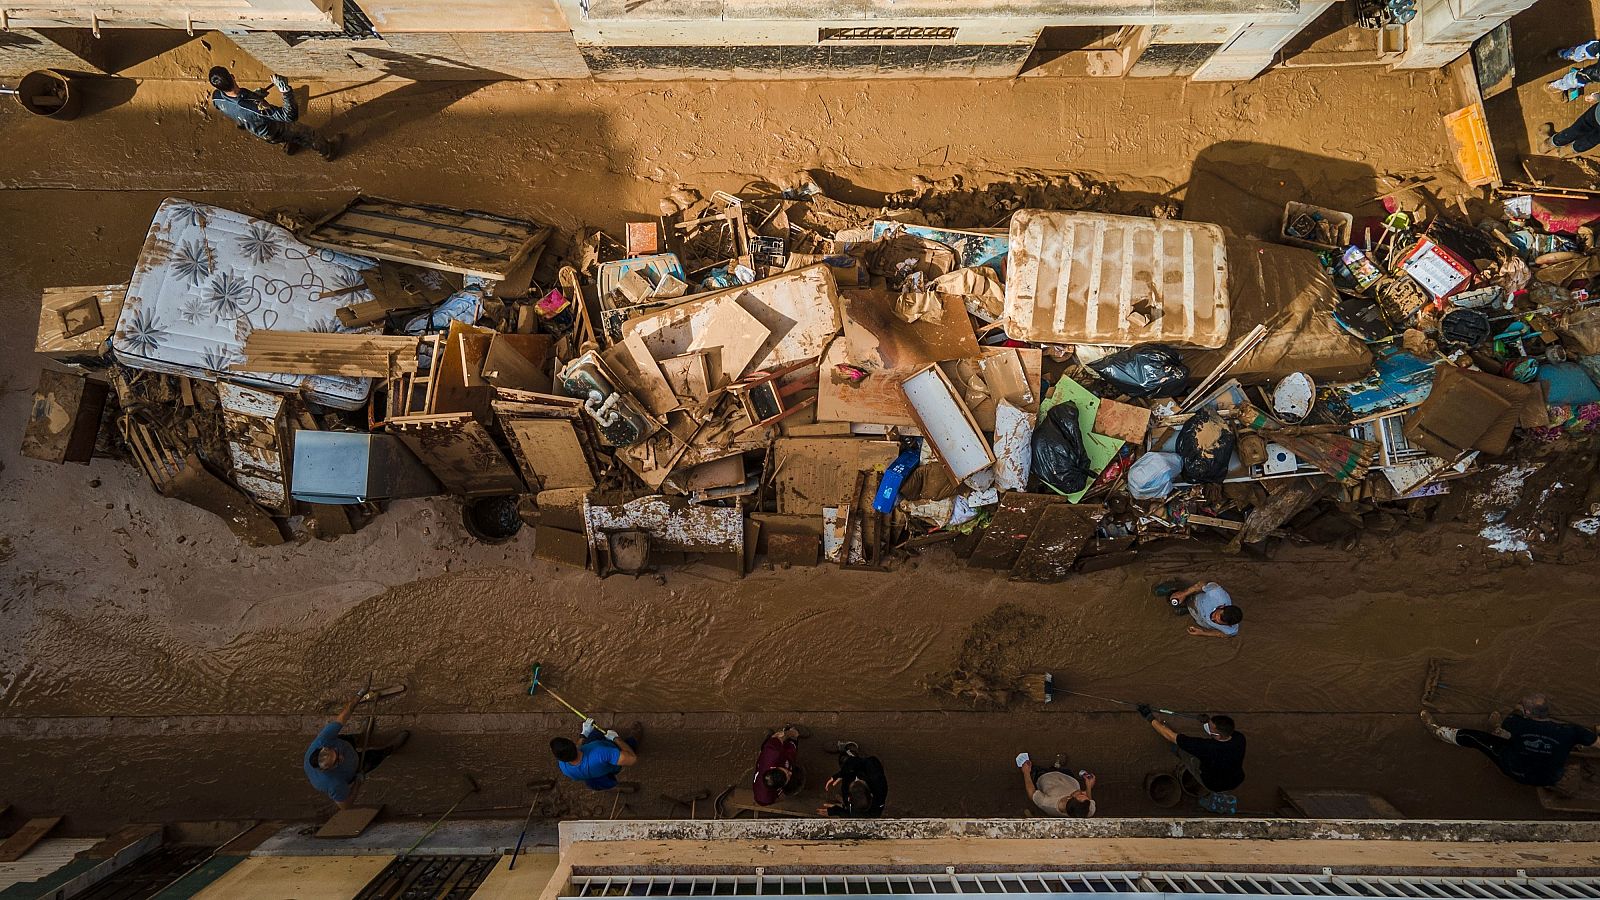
{"x": 1206, "y": 445}
{"x": 1059, "y": 460}
{"x": 1145, "y": 370}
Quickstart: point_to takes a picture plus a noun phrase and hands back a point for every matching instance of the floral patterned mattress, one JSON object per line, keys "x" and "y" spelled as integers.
{"x": 208, "y": 276}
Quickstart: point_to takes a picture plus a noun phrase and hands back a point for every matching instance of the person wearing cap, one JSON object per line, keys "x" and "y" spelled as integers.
{"x": 273, "y": 124}
{"x": 335, "y": 767}
{"x": 1528, "y": 746}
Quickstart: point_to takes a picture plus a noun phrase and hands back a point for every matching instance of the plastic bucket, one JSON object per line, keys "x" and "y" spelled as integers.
{"x": 50, "y": 94}
{"x": 1164, "y": 789}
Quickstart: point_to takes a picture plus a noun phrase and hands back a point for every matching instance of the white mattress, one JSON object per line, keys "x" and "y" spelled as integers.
{"x": 207, "y": 277}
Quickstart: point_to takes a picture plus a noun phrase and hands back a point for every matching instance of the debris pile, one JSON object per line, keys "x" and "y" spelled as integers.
{"x": 1020, "y": 370}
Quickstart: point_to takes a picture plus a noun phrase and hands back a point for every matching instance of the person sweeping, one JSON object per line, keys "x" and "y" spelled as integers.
{"x": 597, "y": 760}
{"x": 1529, "y": 746}
{"x": 334, "y": 766}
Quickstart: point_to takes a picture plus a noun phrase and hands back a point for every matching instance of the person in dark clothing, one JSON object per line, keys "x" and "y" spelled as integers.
{"x": 775, "y": 765}
{"x": 1529, "y": 746}
{"x": 1582, "y": 135}
{"x": 863, "y": 788}
{"x": 1215, "y": 760}
{"x": 273, "y": 124}
{"x": 334, "y": 766}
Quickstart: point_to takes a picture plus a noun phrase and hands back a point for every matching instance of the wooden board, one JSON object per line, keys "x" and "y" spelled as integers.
{"x": 1062, "y": 531}
{"x": 65, "y": 418}
{"x": 23, "y": 839}
{"x": 794, "y": 548}
{"x": 434, "y": 237}
{"x": 1468, "y": 131}
{"x": 811, "y": 473}
{"x": 348, "y": 823}
{"x": 945, "y": 421}
{"x": 734, "y": 335}
{"x": 459, "y": 452}
{"x": 517, "y": 362}
{"x": 548, "y": 452}
{"x": 1008, "y": 532}
{"x": 1319, "y": 804}
{"x": 320, "y": 353}
{"x": 195, "y": 485}
{"x": 558, "y": 545}
{"x": 743, "y": 799}
{"x": 629, "y": 360}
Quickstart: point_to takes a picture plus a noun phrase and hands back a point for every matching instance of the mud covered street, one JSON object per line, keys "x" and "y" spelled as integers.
{"x": 152, "y": 667}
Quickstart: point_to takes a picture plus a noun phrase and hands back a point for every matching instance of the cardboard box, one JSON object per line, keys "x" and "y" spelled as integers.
{"x": 75, "y": 323}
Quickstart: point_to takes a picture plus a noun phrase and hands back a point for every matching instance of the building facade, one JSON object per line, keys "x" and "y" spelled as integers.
{"x": 426, "y": 40}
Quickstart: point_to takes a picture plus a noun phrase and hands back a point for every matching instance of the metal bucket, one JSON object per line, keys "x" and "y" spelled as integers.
{"x": 47, "y": 93}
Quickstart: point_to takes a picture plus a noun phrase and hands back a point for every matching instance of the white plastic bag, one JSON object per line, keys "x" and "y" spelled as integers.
{"x": 1151, "y": 475}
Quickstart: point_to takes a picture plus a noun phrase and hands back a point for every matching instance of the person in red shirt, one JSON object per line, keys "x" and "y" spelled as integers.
{"x": 775, "y": 765}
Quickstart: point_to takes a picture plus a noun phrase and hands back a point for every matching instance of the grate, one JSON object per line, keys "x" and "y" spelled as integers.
{"x": 887, "y": 33}
{"x": 1167, "y": 885}
{"x": 146, "y": 876}
{"x": 429, "y": 878}
{"x": 357, "y": 27}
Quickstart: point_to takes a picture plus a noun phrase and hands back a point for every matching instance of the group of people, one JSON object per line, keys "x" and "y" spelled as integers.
{"x": 1528, "y": 745}
{"x": 1583, "y": 134}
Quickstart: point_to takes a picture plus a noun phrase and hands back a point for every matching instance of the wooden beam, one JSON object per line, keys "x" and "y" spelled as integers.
{"x": 23, "y": 839}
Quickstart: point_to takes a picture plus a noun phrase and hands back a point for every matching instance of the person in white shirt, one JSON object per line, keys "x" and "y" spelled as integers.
{"x": 1058, "y": 794}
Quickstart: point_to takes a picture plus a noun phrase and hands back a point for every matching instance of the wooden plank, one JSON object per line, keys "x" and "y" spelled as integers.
{"x": 548, "y": 452}
{"x": 23, "y": 839}
{"x": 311, "y": 353}
{"x": 348, "y": 823}
{"x": 561, "y": 546}
{"x": 1335, "y": 804}
{"x": 437, "y": 237}
{"x": 1008, "y": 532}
{"x": 1055, "y": 543}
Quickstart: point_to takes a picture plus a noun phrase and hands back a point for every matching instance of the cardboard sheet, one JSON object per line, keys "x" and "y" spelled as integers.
{"x": 891, "y": 350}
{"x": 797, "y": 308}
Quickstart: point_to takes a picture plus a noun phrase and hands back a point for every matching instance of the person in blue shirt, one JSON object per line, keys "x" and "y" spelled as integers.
{"x": 598, "y": 759}
{"x": 1212, "y": 609}
{"x": 273, "y": 124}
{"x": 335, "y": 767}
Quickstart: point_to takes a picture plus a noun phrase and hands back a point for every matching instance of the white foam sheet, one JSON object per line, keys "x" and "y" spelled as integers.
{"x": 208, "y": 276}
